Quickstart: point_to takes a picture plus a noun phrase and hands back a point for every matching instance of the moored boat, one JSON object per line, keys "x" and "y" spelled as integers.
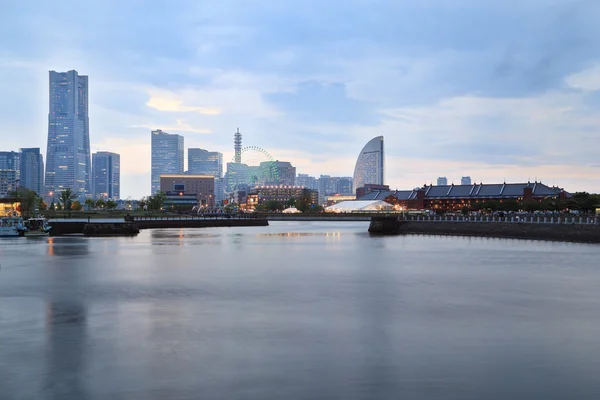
{"x": 11, "y": 226}
{"x": 36, "y": 227}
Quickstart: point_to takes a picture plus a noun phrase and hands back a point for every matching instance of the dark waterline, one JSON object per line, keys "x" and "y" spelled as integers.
{"x": 298, "y": 311}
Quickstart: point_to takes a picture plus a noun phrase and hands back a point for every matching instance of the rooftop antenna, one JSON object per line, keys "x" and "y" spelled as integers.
{"x": 237, "y": 146}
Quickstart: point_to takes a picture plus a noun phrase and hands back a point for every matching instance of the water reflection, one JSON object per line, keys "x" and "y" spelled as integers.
{"x": 66, "y": 350}
{"x": 297, "y": 234}
{"x": 68, "y": 246}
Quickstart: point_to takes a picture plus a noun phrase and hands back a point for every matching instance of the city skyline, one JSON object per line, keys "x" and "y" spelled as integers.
{"x": 445, "y": 99}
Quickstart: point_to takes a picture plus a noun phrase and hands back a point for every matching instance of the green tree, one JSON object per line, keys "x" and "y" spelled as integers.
{"x": 76, "y": 206}
{"x": 101, "y": 204}
{"x": 90, "y": 204}
{"x": 66, "y": 198}
{"x": 531, "y": 205}
{"x": 304, "y": 203}
{"x": 52, "y": 207}
{"x": 156, "y": 202}
{"x": 41, "y": 205}
{"x": 142, "y": 203}
{"x": 28, "y": 199}
{"x": 111, "y": 204}
{"x": 273, "y": 205}
{"x": 583, "y": 201}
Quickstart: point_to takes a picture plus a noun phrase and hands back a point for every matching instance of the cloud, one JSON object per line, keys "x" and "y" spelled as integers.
{"x": 168, "y": 102}
{"x": 180, "y": 126}
{"x": 587, "y": 80}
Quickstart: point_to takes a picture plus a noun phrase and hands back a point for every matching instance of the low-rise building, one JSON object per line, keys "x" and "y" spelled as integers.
{"x": 188, "y": 190}
{"x": 458, "y": 197}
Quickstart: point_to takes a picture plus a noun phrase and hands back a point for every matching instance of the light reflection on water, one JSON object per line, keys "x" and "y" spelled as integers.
{"x": 285, "y": 312}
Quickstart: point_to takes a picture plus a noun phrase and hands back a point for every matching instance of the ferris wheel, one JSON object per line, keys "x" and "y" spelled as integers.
{"x": 257, "y": 167}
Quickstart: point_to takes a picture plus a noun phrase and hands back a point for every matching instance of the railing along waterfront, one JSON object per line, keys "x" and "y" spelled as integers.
{"x": 563, "y": 220}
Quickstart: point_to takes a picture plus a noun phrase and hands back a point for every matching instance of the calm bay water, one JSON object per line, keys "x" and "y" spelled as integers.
{"x": 298, "y": 311}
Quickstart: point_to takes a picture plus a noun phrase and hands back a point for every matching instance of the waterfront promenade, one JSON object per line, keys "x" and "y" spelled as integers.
{"x": 555, "y": 228}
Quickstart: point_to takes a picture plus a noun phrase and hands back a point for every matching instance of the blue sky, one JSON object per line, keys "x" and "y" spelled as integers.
{"x": 498, "y": 90}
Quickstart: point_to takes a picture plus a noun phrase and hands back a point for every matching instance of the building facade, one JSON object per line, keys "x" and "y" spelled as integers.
{"x": 442, "y": 181}
{"x": 167, "y": 156}
{"x": 8, "y": 182}
{"x": 32, "y": 170}
{"x": 472, "y": 197}
{"x": 465, "y": 180}
{"x": 106, "y": 175}
{"x": 369, "y": 167}
{"x": 205, "y": 162}
{"x": 179, "y": 187}
{"x": 68, "y": 161}
{"x": 11, "y": 160}
{"x": 368, "y": 188}
{"x": 309, "y": 182}
{"x": 286, "y": 173}
{"x": 280, "y": 193}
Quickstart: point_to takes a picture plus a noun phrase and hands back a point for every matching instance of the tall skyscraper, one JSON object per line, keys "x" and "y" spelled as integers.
{"x": 32, "y": 170}
{"x": 465, "y": 180}
{"x": 167, "y": 156}
{"x": 442, "y": 181}
{"x": 370, "y": 164}
{"x": 106, "y": 175}
{"x": 68, "y": 163}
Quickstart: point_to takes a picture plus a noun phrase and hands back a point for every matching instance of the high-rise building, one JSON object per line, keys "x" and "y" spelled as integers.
{"x": 465, "y": 180}
{"x": 204, "y": 162}
{"x": 8, "y": 182}
{"x": 106, "y": 175}
{"x": 68, "y": 163}
{"x": 32, "y": 170}
{"x": 309, "y": 182}
{"x": 442, "y": 181}
{"x": 370, "y": 164}
{"x": 167, "y": 156}
{"x": 11, "y": 160}
{"x": 326, "y": 188}
{"x": 278, "y": 173}
{"x": 343, "y": 185}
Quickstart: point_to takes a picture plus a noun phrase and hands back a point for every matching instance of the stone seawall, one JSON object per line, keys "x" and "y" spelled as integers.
{"x": 66, "y": 227}
{"x": 564, "y": 232}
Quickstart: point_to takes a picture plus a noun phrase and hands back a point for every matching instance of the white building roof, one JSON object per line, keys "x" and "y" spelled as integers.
{"x": 360, "y": 205}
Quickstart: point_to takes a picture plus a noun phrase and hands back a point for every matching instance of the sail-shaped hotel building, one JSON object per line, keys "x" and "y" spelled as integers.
{"x": 370, "y": 165}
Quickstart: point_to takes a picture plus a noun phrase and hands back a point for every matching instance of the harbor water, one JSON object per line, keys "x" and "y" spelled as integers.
{"x": 298, "y": 310}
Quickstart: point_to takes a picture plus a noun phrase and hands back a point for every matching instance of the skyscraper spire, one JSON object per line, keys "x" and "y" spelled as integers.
{"x": 237, "y": 146}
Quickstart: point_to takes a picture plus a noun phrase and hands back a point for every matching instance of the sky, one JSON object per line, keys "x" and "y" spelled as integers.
{"x": 505, "y": 90}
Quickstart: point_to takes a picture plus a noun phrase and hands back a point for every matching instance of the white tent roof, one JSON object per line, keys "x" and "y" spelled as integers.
{"x": 291, "y": 210}
{"x": 360, "y": 205}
